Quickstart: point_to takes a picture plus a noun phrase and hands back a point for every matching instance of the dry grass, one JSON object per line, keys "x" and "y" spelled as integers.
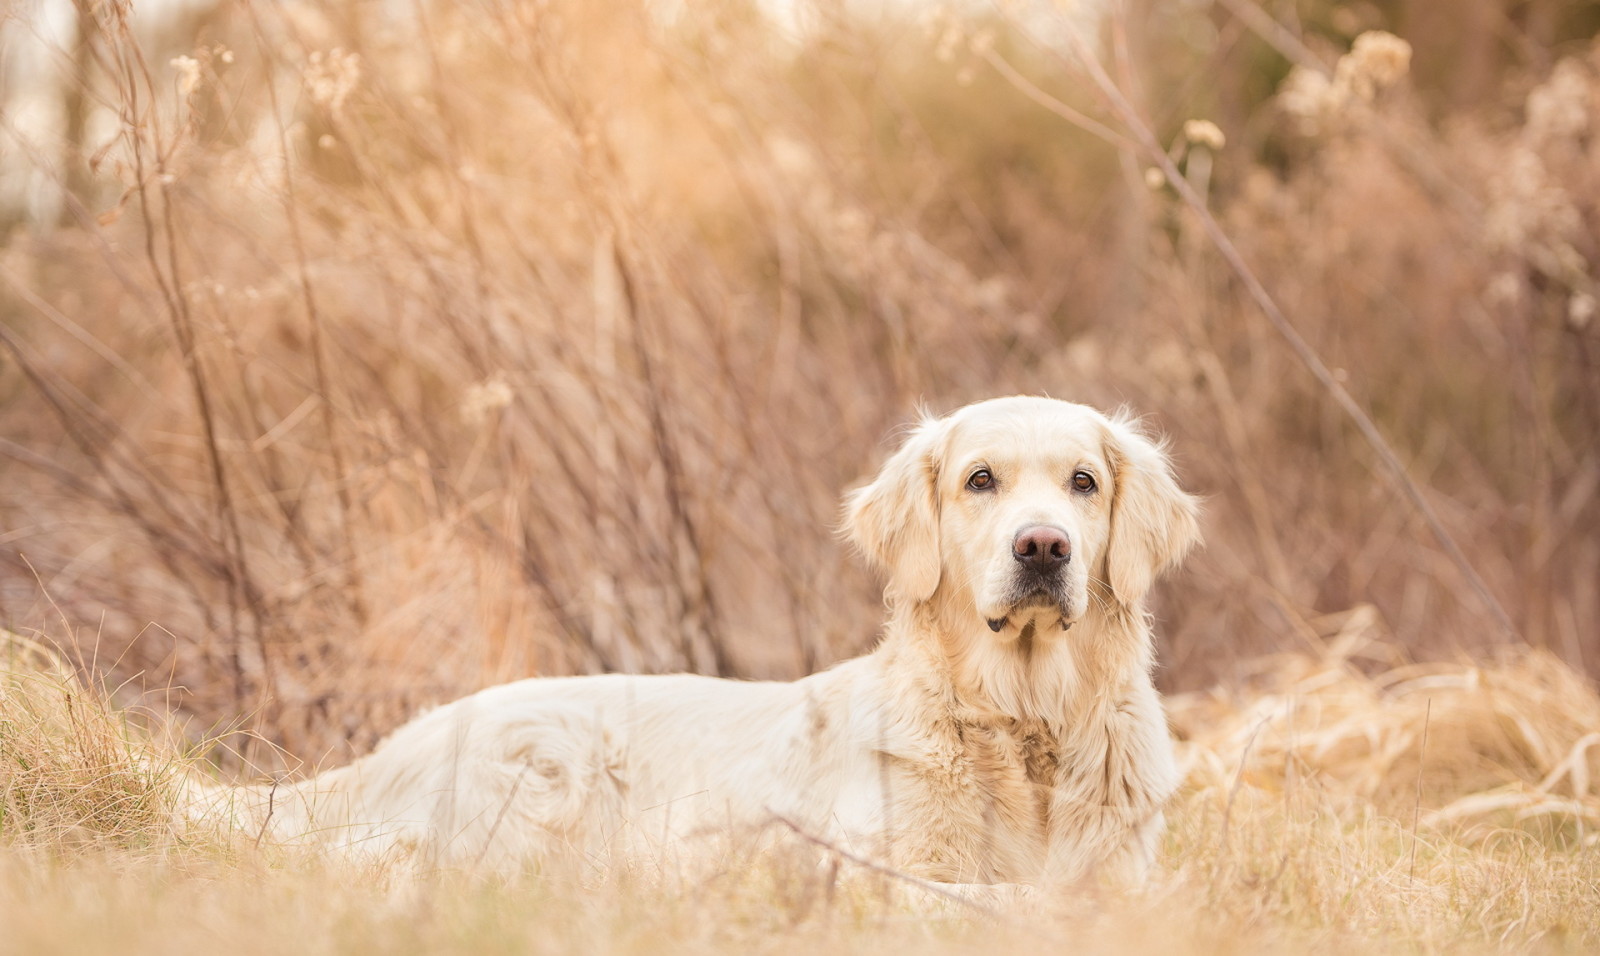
{"x": 73, "y": 774}
{"x": 352, "y": 361}
{"x": 1299, "y": 835}
{"x": 1463, "y": 739}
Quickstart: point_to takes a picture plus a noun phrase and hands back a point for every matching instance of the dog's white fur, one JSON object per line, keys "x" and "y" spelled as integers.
{"x": 1037, "y": 752}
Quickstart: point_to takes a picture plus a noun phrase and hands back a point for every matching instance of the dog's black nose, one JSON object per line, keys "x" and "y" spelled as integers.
{"x": 1041, "y": 547}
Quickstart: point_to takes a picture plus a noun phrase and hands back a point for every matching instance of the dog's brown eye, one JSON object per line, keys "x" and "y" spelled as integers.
{"x": 981, "y": 480}
{"x": 1083, "y": 481}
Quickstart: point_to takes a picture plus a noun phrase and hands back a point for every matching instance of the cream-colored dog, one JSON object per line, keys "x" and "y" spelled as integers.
{"x": 1004, "y": 730}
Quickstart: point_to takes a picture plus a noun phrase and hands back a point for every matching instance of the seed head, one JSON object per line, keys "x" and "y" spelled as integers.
{"x": 331, "y": 77}
{"x": 188, "y": 74}
{"x": 1200, "y": 132}
{"x": 485, "y": 397}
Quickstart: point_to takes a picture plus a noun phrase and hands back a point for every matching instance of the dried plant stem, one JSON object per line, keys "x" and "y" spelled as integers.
{"x": 78, "y": 419}
{"x": 133, "y": 72}
{"x": 1416, "y": 808}
{"x": 272, "y": 807}
{"x": 1279, "y": 37}
{"x": 1233, "y": 791}
{"x": 1032, "y": 91}
{"x": 698, "y": 627}
{"x": 318, "y": 349}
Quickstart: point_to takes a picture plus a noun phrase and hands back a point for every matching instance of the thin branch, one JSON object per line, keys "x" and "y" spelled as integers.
{"x": 1233, "y": 790}
{"x": 500, "y": 817}
{"x": 1278, "y": 36}
{"x": 272, "y": 807}
{"x": 889, "y": 871}
{"x": 1413, "y": 159}
{"x": 1144, "y": 138}
{"x": 1032, "y": 91}
{"x": 317, "y": 345}
{"x": 66, "y": 324}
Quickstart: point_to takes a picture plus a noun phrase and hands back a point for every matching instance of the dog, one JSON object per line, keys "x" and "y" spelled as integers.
{"x": 1004, "y": 730}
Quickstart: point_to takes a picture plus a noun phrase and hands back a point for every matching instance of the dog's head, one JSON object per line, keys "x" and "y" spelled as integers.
{"x": 1012, "y": 511}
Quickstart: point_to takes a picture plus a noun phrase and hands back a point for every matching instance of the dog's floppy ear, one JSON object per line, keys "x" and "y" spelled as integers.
{"x": 1154, "y": 523}
{"x": 894, "y": 520}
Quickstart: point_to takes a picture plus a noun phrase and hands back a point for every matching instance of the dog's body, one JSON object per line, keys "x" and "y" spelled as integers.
{"x": 1005, "y": 729}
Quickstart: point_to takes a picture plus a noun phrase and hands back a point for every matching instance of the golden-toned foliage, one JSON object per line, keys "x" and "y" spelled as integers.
{"x": 354, "y": 357}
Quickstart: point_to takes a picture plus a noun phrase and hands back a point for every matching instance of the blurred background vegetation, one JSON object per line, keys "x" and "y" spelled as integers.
{"x": 356, "y": 355}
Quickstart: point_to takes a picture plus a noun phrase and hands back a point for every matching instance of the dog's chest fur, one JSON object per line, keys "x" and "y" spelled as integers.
{"x": 975, "y": 803}
{"x": 991, "y": 798}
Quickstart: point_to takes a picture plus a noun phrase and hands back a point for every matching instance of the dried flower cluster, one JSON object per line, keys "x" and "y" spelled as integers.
{"x": 331, "y": 77}
{"x": 188, "y": 69}
{"x": 1200, "y": 132}
{"x": 1534, "y": 215}
{"x": 1377, "y": 61}
{"x": 484, "y": 398}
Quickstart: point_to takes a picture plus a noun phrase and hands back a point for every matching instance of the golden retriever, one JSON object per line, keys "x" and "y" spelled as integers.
{"x": 1004, "y": 730}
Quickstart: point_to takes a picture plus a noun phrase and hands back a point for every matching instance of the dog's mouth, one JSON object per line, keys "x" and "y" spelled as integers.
{"x": 1039, "y": 607}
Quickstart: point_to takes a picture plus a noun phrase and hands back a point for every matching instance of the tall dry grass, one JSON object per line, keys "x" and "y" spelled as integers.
{"x": 379, "y": 357}
{"x": 74, "y": 775}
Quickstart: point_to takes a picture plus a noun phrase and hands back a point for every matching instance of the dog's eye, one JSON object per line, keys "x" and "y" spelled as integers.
{"x": 1084, "y": 482}
{"x": 981, "y": 480}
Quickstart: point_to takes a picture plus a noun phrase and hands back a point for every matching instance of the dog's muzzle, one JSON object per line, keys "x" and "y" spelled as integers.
{"x": 1042, "y": 553}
